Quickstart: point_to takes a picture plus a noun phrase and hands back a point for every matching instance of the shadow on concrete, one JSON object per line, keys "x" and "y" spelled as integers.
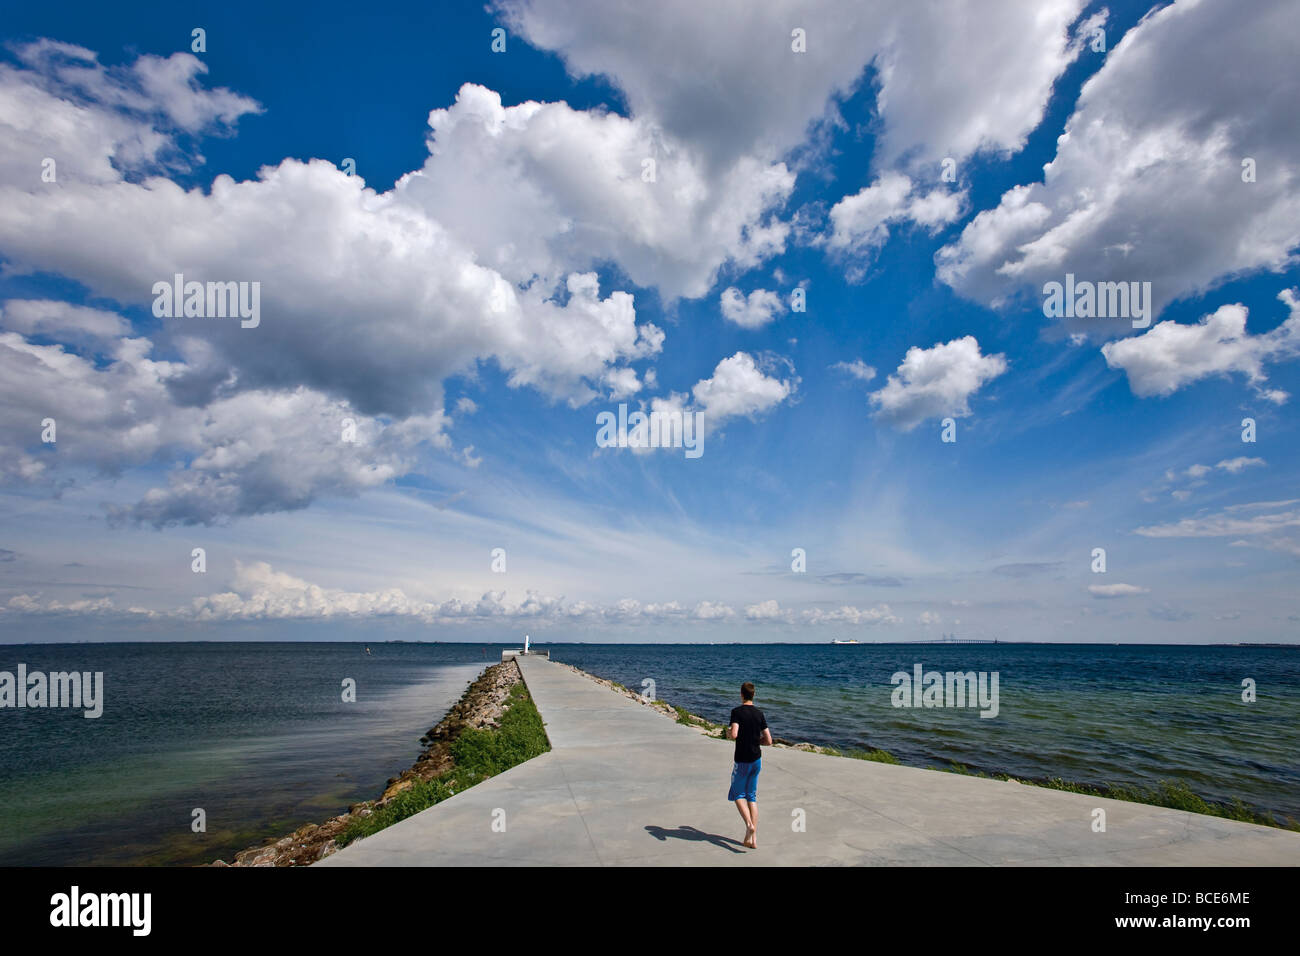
{"x": 698, "y": 836}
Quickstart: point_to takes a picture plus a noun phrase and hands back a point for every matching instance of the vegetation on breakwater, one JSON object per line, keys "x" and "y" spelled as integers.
{"x": 477, "y": 754}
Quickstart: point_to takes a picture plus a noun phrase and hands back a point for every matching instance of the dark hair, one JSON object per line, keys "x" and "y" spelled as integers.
{"x": 747, "y": 691}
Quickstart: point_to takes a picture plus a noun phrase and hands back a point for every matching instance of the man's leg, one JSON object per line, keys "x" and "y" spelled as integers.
{"x": 753, "y": 821}
{"x": 744, "y": 806}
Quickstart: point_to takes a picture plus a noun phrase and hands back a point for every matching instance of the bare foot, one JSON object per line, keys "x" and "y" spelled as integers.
{"x": 751, "y": 834}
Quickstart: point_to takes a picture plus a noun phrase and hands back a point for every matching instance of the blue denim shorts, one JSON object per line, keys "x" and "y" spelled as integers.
{"x": 744, "y": 781}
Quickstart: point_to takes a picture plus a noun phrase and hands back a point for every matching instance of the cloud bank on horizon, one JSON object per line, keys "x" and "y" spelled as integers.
{"x": 827, "y": 229}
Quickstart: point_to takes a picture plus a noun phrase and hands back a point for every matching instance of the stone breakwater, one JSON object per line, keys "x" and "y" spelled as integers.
{"x": 480, "y": 707}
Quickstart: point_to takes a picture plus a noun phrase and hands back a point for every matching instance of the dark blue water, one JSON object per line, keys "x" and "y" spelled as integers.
{"x": 256, "y": 735}
{"x": 1131, "y": 715}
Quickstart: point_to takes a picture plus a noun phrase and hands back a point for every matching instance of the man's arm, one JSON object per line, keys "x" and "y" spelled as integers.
{"x": 733, "y": 730}
{"x": 767, "y": 737}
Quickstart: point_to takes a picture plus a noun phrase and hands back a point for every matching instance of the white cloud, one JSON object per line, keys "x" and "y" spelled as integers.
{"x": 937, "y": 381}
{"x": 847, "y": 614}
{"x": 538, "y": 189}
{"x": 710, "y": 611}
{"x": 1169, "y": 356}
{"x": 1116, "y": 590}
{"x": 1232, "y": 521}
{"x": 857, "y": 368}
{"x": 860, "y": 223}
{"x": 1195, "y": 477}
{"x": 738, "y": 387}
{"x": 242, "y": 453}
{"x": 622, "y": 382}
{"x": 259, "y": 592}
{"x": 1262, "y": 524}
{"x": 764, "y": 611}
{"x": 368, "y": 297}
{"x": 753, "y": 313}
{"x": 759, "y": 100}
{"x": 1147, "y": 180}
{"x": 1239, "y": 464}
{"x": 361, "y": 297}
{"x": 71, "y": 323}
{"x": 100, "y": 123}
{"x": 771, "y": 610}
{"x": 999, "y": 63}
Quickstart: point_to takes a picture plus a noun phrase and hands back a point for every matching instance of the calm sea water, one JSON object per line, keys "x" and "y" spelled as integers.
{"x": 258, "y": 737}
{"x": 1087, "y": 713}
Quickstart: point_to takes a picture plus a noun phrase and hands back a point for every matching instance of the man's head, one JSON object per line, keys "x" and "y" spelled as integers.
{"x": 747, "y": 691}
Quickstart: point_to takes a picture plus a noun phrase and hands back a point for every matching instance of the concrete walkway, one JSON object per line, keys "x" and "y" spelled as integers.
{"x": 624, "y": 785}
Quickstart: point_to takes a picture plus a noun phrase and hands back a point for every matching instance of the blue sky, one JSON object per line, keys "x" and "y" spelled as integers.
{"x": 501, "y": 271}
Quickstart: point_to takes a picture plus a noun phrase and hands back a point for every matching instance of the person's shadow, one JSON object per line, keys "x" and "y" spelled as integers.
{"x": 690, "y": 833}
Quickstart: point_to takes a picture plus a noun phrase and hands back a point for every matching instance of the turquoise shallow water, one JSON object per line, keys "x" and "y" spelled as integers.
{"x": 258, "y": 736}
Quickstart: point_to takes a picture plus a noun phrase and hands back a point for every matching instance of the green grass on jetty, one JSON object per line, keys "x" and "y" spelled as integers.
{"x": 478, "y": 754}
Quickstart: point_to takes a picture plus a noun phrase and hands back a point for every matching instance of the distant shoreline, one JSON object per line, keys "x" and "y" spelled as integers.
{"x": 823, "y": 643}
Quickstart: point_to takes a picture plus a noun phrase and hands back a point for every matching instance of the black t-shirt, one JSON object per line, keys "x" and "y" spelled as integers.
{"x": 752, "y": 724}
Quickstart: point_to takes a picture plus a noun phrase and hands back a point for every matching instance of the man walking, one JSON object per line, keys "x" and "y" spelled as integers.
{"x": 749, "y": 730}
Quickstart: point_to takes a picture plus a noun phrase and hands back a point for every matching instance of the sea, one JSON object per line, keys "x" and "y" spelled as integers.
{"x": 204, "y": 749}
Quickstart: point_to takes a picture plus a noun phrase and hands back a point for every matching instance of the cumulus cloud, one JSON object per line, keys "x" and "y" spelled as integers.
{"x": 739, "y": 387}
{"x": 369, "y": 301}
{"x": 378, "y": 320}
{"x": 370, "y": 297}
{"x": 1169, "y": 356}
{"x": 754, "y": 312}
{"x": 243, "y": 453}
{"x": 857, "y": 368}
{"x": 1000, "y": 61}
{"x": 860, "y": 223}
{"x": 762, "y": 100}
{"x": 771, "y": 610}
{"x": 537, "y": 189}
{"x": 102, "y": 123}
{"x": 1147, "y": 182}
{"x": 62, "y": 320}
{"x": 937, "y": 381}
{"x": 259, "y": 592}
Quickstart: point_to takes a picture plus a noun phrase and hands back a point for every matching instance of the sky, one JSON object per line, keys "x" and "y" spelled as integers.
{"x": 828, "y": 232}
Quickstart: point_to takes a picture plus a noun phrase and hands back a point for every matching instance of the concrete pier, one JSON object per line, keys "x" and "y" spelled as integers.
{"x": 624, "y": 785}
